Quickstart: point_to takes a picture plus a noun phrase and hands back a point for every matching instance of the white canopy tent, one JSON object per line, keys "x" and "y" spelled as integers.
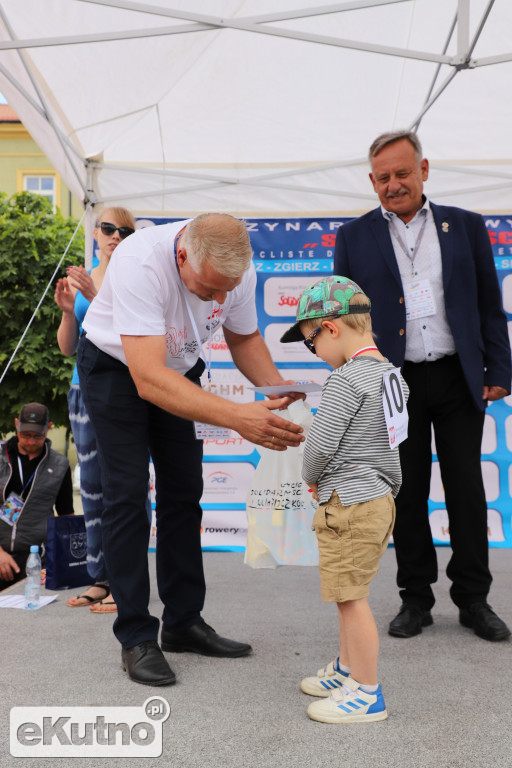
{"x": 261, "y": 107}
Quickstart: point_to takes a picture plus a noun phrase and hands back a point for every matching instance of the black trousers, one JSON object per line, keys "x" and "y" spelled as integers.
{"x": 129, "y": 430}
{"x": 439, "y": 398}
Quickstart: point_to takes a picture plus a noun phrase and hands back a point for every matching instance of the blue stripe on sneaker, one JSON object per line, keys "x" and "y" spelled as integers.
{"x": 363, "y": 703}
{"x": 379, "y": 705}
{"x": 322, "y": 682}
{"x": 345, "y": 709}
{"x": 353, "y": 704}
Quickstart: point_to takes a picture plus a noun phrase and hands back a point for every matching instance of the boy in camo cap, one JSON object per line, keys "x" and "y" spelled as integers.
{"x": 354, "y": 474}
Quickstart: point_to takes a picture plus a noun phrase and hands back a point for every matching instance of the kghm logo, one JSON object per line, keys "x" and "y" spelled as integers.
{"x": 89, "y": 731}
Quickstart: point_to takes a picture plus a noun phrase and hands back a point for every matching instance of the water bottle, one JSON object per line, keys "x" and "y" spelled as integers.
{"x": 33, "y": 587}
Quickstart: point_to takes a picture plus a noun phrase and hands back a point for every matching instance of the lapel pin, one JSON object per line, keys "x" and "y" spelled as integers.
{"x": 445, "y": 226}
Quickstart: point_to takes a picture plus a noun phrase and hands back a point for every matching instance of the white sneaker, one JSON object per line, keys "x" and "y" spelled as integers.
{"x": 326, "y": 681}
{"x": 349, "y": 704}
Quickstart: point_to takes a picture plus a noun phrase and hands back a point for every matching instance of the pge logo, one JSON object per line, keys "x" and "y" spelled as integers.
{"x": 89, "y": 731}
{"x": 219, "y": 478}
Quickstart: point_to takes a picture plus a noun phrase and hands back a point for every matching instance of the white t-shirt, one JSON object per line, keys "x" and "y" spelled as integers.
{"x": 142, "y": 295}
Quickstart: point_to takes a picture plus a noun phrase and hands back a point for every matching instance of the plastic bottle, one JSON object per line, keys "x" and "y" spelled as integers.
{"x": 33, "y": 587}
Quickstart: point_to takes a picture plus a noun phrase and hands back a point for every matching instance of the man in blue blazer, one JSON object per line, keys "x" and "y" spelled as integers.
{"x": 437, "y": 313}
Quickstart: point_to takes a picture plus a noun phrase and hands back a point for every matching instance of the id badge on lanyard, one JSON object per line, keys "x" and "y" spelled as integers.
{"x": 11, "y": 509}
{"x": 419, "y": 299}
{"x": 202, "y": 430}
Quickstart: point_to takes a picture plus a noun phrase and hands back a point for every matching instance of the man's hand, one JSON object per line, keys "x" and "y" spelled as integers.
{"x": 8, "y": 566}
{"x": 290, "y": 397}
{"x": 257, "y": 423}
{"x": 494, "y": 393}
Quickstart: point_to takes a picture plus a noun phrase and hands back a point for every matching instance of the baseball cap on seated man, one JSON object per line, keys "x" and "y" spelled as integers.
{"x": 33, "y": 417}
{"x": 329, "y": 297}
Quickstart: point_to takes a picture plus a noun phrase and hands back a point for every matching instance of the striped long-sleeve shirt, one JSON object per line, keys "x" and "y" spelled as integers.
{"x": 347, "y": 448}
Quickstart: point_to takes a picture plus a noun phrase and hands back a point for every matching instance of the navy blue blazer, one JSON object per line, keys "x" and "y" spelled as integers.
{"x": 364, "y": 252}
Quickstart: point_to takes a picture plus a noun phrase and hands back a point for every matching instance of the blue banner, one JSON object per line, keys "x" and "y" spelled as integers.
{"x": 289, "y": 254}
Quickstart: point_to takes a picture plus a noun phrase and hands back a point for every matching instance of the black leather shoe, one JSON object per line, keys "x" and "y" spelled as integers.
{"x": 484, "y": 622}
{"x": 146, "y": 664}
{"x": 201, "y": 638}
{"x": 409, "y": 621}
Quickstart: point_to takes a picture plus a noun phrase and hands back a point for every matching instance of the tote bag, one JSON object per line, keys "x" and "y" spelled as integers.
{"x": 66, "y": 552}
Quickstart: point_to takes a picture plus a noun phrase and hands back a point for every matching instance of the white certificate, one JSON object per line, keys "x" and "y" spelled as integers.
{"x": 285, "y": 389}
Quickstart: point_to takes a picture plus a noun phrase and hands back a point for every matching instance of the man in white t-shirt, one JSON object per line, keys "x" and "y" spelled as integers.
{"x": 167, "y": 289}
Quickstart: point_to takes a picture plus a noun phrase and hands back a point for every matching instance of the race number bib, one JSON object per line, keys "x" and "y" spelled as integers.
{"x": 395, "y": 409}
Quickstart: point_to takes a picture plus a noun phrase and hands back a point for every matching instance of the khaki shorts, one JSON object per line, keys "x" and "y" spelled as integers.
{"x": 351, "y": 541}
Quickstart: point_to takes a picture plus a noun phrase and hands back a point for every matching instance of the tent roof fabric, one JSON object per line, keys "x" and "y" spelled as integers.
{"x": 259, "y": 107}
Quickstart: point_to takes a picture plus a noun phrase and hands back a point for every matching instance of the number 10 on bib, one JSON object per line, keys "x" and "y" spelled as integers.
{"x": 395, "y": 408}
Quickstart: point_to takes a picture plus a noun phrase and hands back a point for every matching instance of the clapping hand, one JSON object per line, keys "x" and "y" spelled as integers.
{"x": 80, "y": 279}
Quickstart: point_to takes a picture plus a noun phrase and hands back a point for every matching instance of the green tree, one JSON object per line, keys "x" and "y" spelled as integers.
{"x": 32, "y": 241}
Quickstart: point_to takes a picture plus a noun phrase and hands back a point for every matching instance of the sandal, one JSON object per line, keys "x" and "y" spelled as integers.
{"x": 73, "y": 601}
{"x": 104, "y": 606}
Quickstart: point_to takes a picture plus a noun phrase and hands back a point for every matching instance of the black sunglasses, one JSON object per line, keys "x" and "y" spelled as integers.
{"x": 109, "y": 229}
{"x": 309, "y": 341}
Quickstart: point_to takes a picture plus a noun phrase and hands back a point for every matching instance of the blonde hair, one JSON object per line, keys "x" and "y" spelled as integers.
{"x": 358, "y": 322}
{"x": 122, "y": 215}
{"x": 221, "y": 240}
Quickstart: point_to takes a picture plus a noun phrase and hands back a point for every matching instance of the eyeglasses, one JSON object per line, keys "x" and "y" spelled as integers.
{"x": 31, "y": 436}
{"x": 109, "y": 229}
{"x": 309, "y": 341}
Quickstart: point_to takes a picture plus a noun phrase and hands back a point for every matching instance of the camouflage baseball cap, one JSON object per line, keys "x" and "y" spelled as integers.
{"x": 329, "y": 297}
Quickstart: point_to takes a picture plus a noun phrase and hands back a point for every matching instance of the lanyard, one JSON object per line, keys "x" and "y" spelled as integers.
{"x": 363, "y": 349}
{"x": 402, "y": 244}
{"x": 21, "y": 477}
{"x": 207, "y": 362}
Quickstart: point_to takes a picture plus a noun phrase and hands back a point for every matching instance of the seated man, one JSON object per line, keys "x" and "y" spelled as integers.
{"x": 33, "y": 479}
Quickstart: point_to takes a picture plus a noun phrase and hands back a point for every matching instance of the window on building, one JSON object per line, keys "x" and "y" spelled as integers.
{"x": 41, "y": 184}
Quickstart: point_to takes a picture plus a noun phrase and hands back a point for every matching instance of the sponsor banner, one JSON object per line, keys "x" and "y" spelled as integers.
{"x": 295, "y": 352}
{"x": 490, "y": 472}
{"x": 441, "y": 530}
{"x": 219, "y": 349}
{"x": 281, "y": 295}
{"x": 229, "y": 383}
{"x": 289, "y": 254}
{"x": 224, "y": 528}
{"x": 226, "y": 482}
{"x": 234, "y": 445}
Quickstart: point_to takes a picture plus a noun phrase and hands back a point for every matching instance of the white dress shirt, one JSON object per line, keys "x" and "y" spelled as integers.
{"x": 418, "y": 255}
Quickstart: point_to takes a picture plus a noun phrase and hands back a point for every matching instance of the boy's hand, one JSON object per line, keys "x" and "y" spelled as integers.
{"x": 313, "y": 487}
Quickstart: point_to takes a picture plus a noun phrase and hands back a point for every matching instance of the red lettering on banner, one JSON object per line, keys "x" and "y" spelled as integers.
{"x": 502, "y": 238}
{"x": 288, "y": 301}
{"x": 329, "y": 241}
